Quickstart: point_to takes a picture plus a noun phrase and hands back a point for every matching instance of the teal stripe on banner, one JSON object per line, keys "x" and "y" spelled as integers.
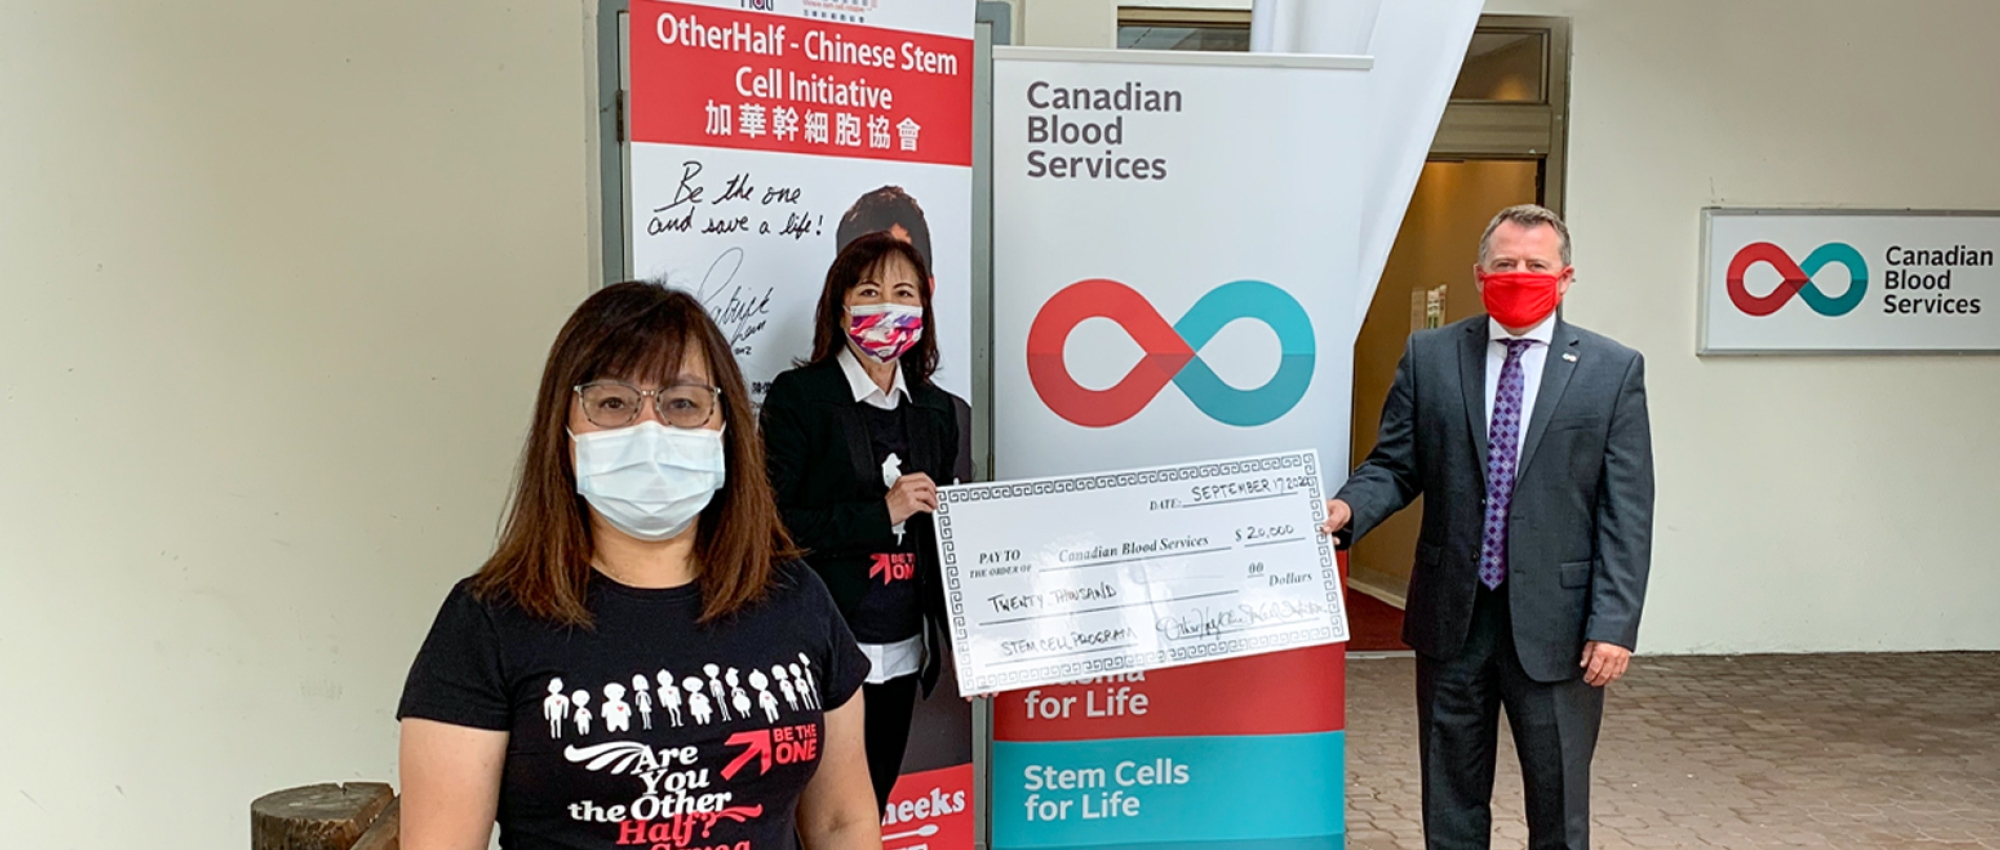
{"x": 1159, "y": 792}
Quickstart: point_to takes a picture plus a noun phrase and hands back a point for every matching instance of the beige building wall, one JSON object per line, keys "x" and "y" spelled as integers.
{"x": 276, "y": 279}
{"x": 1065, "y": 23}
{"x": 1806, "y": 504}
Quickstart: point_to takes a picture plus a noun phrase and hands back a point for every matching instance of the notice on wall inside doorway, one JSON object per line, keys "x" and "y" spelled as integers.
{"x": 1427, "y": 308}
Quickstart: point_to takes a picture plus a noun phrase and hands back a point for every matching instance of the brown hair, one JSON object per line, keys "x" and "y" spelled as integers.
{"x": 1529, "y": 216}
{"x": 633, "y": 331}
{"x": 862, "y": 256}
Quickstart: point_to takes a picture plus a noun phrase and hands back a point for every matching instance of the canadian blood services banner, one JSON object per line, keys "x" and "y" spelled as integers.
{"x": 1175, "y": 248}
{"x": 758, "y": 129}
{"x": 1174, "y": 244}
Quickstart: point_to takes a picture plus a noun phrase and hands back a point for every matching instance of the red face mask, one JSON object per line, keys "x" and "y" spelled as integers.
{"x": 1520, "y": 299}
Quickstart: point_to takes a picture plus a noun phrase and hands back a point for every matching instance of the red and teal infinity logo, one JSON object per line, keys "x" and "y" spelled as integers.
{"x": 1798, "y": 279}
{"x": 1170, "y": 353}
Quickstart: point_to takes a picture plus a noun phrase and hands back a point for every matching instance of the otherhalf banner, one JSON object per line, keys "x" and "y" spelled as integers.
{"x": 760, "y": 129}
{"x": 1175, "y": 244}
{"x": 764, "y": 135}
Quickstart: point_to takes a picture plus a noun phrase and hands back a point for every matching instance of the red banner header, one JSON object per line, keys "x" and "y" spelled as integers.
{"x": 755, "y": 81}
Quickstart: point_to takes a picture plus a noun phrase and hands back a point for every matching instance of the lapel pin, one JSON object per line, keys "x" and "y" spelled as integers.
{"x": 1569, "y": 356}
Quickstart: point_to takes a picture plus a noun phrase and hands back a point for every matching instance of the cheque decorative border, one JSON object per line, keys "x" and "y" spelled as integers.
{"x": 1314, "y": 636}
{"x": 1304, "y": 461}
{"x": 1110, "y": 480}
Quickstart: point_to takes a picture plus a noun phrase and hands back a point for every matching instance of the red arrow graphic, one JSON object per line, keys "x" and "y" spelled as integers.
{"x": 759, "y": 743}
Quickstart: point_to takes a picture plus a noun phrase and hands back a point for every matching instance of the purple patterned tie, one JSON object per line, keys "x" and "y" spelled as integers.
{"x": 1503, "y": 449}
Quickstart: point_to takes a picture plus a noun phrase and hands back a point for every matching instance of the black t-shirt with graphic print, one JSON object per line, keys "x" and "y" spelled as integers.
{"x": 890, "y": 611}
{"x": 647, "y": 729}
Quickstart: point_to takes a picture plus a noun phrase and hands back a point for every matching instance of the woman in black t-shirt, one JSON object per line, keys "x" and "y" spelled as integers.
{"x": 638, "y": 665}
{"x": 859, "y": 439}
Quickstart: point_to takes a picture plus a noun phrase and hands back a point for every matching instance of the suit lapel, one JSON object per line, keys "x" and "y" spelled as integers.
{"x": 1472, "y": 379}
{"x": 860, "y": 447}
{"x": 921, "y": 436}
{"x": 1556, "y": 372}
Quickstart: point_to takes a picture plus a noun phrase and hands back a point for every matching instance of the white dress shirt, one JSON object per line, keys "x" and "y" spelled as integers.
{"x": 1532, "y": 362}
{"x": 865, "y": 389}
{"x": 904, "y": 657}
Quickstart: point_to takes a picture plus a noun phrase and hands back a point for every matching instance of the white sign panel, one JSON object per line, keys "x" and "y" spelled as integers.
{"x": 1174, "y": 254}
{"x": 1790, "y": 281}
{"x": 1059, "y": 579}
{"x": 765, "y": 132}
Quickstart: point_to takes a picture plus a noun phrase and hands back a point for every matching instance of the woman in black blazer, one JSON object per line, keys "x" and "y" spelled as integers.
{"x": 858, "y": 440}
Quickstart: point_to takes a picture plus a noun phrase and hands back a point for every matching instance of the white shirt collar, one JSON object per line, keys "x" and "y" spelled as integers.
{"x": 864, "y": 388}
{"x": 1544, "y": 333}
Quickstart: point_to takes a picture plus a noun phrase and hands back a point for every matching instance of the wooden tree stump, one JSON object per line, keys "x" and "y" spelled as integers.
{"x": 317, "y": 817}
{"x": 386, "y": 833}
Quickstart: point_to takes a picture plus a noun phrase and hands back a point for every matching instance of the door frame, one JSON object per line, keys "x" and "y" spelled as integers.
{"x": 1498, "y": 130}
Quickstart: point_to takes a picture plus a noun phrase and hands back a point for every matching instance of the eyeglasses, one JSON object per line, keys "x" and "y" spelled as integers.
{"x": 616, "y": 404}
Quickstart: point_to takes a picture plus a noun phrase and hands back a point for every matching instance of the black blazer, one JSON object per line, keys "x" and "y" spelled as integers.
{"x": 829, "y": 487}
{"x": 1580, "y": 538}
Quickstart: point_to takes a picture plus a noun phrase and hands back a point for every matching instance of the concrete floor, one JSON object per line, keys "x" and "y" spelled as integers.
{"x": 1859, "y": 751}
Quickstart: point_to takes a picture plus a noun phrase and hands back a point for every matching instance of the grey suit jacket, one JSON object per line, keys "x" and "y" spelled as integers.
{"x": 1580, "y": 536}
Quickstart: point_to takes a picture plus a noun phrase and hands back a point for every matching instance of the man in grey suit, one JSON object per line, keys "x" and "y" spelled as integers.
{"x": 1528, "y": 438}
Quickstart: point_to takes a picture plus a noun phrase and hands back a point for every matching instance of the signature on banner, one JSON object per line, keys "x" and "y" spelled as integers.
{"x": 741, "y": 312}
{"x": 736, "y": 206}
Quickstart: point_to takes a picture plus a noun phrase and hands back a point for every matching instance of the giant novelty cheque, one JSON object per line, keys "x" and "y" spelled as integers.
{"x": 1058, "y": 579}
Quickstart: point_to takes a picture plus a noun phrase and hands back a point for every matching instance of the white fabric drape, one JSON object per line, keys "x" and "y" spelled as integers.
{"x": 1418, "y": 46}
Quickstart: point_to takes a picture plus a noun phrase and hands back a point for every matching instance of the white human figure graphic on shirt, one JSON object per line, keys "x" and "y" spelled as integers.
{"x": 617, "y": 715}
{"x": 556, "y": 708}
{"x": 642, "y": 693}
{"x": 697, "y": 702}
{"x": 812, "y": 681}
{"x": 581, "y": 699}
{"x": 736, "y": 695}
{"x": 785, "y": 684}
{"x": 715, "y": 687}
{"x": 800, "y": 682}
{"x": 764, "y": 698}
{"x": 670, "y": 697}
